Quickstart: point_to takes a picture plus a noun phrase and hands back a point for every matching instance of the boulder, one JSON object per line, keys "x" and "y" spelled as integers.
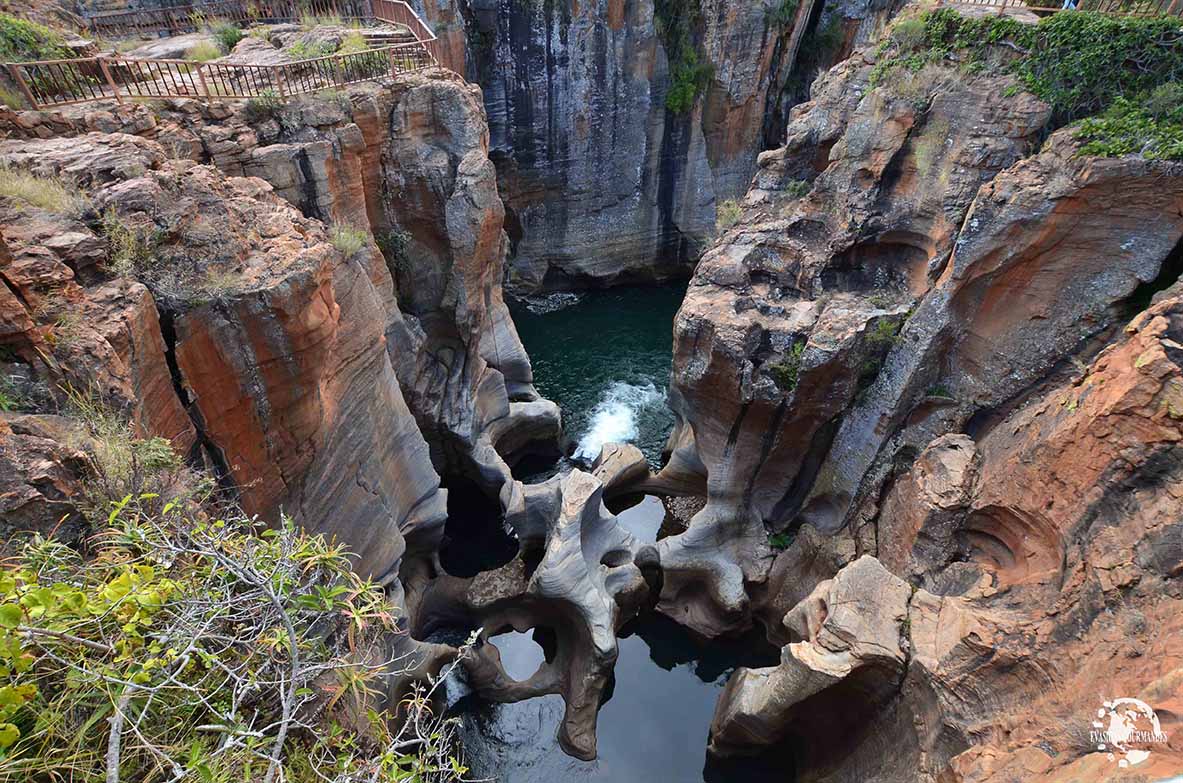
{"x": 849, "y": 635}
{"x": 620, "y": 467}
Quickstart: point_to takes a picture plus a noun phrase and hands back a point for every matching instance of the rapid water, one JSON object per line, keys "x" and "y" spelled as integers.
{"x": 604, "y": 357}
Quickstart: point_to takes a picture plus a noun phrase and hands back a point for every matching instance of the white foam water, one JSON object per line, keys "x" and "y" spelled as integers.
{"x": 614, "y": 417}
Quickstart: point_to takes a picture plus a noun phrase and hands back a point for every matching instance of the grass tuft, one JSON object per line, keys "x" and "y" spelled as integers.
{"x": 203, "y": 51}
{"x": 53, "y": 194}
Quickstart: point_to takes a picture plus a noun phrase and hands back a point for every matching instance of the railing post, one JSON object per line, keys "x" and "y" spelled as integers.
{"x": 110, "y": 81}
{"x": 15, "y": 70}
{"x": 279, "y": 80}
{"x": 201, "y": 79}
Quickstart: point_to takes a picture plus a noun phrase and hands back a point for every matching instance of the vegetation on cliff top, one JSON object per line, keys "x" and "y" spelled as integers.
{"x": 22, "y": 40}
{"x": 1081, "y": 64}
{"x": 177, "y": 642}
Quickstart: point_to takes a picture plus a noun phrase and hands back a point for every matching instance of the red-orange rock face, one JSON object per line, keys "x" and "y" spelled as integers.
{"x": 293, "y": 368}
{"x": 916, "y": 346}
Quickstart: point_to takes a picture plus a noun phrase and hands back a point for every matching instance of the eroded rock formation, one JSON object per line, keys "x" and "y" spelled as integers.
{"x": 324, "y": 376}
{"x": 577, "y": 577}
{"x": 913, "y": 357}
{"x": 898, "y": 270}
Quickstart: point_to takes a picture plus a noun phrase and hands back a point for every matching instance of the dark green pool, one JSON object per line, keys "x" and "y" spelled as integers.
{"x": 606, "y": 361}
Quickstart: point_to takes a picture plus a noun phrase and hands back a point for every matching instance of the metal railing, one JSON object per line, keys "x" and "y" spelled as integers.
{"x": 1109, "y": 7}
{"x": 189, "y": 17}
{"x": 62, "y": 82}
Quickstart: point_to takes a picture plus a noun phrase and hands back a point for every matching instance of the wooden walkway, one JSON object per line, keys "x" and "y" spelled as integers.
{"x": 50, "y": 83}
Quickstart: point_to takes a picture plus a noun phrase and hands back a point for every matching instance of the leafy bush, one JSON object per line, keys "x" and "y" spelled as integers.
{"x": 1079, "y": 62}
{"x": 193, "y": 647}
{"x": 353, "y": 43}
{"x": 129, "y": 251}
{"x": 122, "y": 463}
{"x": 1165, "y": 102}
{"x": 310, "y": 50}
{"x": 676, "y": 21}
{"x": 52, "y": 194}
{"x": 908, "y": 33}
{"x": 786, "y": 373}
{"x": 393, "y": 245}
{"x": 203, "y": 51}
{"x": 9, "y": 399}
{"x": 784, "y": 14}
{"x": 1127, "y": 128}
{"x": 797, "y": 188}
{"x": 727, "y": 214}
{"x": 348, "y": 240}
{"x": 228, "y": 35}
{"x": 22, "y": 40}
{"x": 264, "y": 107}
{"x": 11, "y": 98}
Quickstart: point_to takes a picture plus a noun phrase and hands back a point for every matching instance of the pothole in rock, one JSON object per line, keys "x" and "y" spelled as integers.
{"x": 520, "y": 651}
{"x": 475, "y": 535}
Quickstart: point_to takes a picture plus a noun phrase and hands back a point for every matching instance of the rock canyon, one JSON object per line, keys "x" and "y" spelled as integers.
{"x": 926, "y": 378}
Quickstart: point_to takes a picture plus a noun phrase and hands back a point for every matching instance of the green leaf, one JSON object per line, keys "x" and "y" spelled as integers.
{"x": 8, "y": 734}
{"x": 10, "y": 615}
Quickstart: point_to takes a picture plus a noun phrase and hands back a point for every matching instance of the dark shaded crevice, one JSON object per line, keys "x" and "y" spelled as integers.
{"x": 205, "y": 446}
{"x": 308, "y": 197}
{"x": 789, "y": 506}
{"x": 475, "y": 538}
{"x": 1168, "y": 275}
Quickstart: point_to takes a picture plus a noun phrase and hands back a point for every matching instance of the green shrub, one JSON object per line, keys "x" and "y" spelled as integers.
{"x": 727, "y": 214}
{"x": 393, "y": 245}
{"x": 786, "y": 373}
{"x": 939, "y": 390}
{"x": 1127, "y": 128}
{"x": 310, "y": 50}
{"x": 908, "y": 34}
{"x": 1165, "y": 102}
{"x": 797, "y": 188}
{"x": 263, "y": 107}
{"x": 784, "y": 14}
{"x": 349, "y": 240}
{"x": 52, "y": 194}
{"x": 780, "y": 541}
{"x": 353, "y": 43}
{"x": 203, "y": 51}
{"x": 22, "y": 40}
{"x": 129, "y": 251}
{"x": 11, "y": 98}
{"x": 228, "y": 35}
{"x": 676, "y": 21}
{"x": 9, "y": 398}
{"x": 1078, "y": 62}
{"x": 189, "y": 646}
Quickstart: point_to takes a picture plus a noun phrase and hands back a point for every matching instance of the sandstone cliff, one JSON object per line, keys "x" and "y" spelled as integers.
{"x": 329, "y": 361}
{"x": 912, "y": 361}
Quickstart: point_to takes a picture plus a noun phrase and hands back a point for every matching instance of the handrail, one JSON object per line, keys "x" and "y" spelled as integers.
{"x": 81, "y": 80}
{"x": 1106, "y": 7}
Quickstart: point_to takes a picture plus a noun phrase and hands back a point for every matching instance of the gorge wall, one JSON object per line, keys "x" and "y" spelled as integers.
{"x": 926, "y": 388}
{"x": 606, "y": 177}
{"x": 322, "y": 321}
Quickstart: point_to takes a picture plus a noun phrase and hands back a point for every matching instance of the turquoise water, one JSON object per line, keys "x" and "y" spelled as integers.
{"x": 606, "y": 361}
